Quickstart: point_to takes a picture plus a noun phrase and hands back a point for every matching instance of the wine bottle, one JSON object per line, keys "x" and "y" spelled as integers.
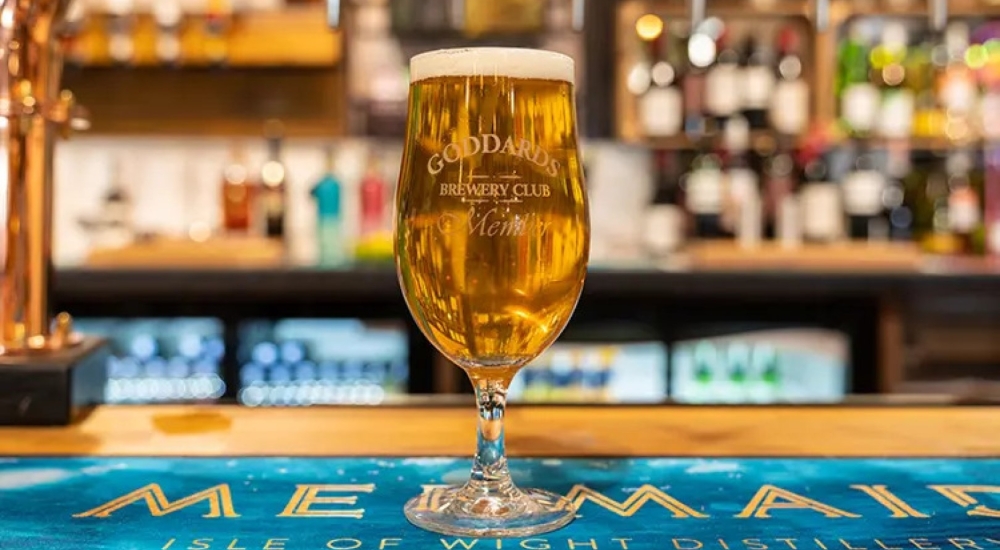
{"x": 665, "y": 219}
{"x": 660, "y": 107}
{"x": 789, "y": 111}
{"x": 741, "y": 215}
{"x": 780, "y": 183}
{"x": 863, "y": 188}
{"x": 704, "y": 195}
{"x": 693, "y": 83}
{"x": 859, "y": 98}
{"x": 724, "y": 86}
{"x": 758, "y": 79}
{"x": 822, "y": 213}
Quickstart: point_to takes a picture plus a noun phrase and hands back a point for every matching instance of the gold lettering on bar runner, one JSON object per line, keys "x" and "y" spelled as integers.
{"x": 581, "y": 493}
{"x": 220, "y": 502}
{"x": 896, "y": 505}
{"x": 767, "y": 499}
{"x": 959, "y": 494}
{"x": 307, "y": 495}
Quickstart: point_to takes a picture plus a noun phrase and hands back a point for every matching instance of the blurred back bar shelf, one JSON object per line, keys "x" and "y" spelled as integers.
{"x": 782, "y": 211}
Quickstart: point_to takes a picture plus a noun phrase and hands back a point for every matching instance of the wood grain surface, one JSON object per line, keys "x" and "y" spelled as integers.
{"x": 532, "y": 431}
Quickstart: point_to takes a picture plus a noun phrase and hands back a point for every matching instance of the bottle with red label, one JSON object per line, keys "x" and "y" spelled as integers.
{"x": 789, "y": 109}
{"x": 373, "y": 200}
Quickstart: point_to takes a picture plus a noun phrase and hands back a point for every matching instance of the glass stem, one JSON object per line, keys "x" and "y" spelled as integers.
{"x": 489, "y": 471}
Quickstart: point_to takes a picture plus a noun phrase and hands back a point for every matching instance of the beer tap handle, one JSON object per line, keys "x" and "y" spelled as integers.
{"x": 938, "y": 14}
{"x": 578, "y": 14}
{"x": 333, "y": 13}
{"x": 821, "y": 13}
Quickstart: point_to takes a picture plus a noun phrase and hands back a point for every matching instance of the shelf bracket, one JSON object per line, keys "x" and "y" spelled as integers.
{"x": 821, "y": 14}
{"x": 577, "y": 14}
{"x": 333, "y": 13}
{"x": 939, "y": 14}
{"x": 697, "y": 8}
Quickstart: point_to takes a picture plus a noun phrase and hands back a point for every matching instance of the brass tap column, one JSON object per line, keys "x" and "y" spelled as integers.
{"x": 33, "y": 111}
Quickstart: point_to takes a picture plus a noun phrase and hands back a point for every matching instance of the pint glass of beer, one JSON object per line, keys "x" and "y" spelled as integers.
{"x": 492, "y": 237}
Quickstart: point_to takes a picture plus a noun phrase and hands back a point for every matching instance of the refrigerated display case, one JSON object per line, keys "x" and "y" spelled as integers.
{"x": 296, "y": 362}
{"x": 161, "y": 360}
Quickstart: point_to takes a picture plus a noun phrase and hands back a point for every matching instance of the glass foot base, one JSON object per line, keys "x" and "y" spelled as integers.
{"x": 471, "y": 512}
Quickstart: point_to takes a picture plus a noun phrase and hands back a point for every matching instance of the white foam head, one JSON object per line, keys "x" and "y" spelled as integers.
{"x": 512, "y": 62}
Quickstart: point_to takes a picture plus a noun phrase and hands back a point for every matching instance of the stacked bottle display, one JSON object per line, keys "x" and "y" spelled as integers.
{"x": 900, "y": 79}
{"x": 908, "y": 158}
{"x": 692, "y": 83}
{"x": 945, "y": 201}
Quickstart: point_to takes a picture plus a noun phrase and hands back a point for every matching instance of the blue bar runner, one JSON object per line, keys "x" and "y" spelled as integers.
{"x": 622, "y": 504}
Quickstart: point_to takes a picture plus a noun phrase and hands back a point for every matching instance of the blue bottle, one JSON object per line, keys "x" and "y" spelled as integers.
{"x": 329, "y": 219}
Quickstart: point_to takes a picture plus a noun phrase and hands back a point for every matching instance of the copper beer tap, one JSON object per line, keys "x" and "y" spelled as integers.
{"x": 34, "y": 111}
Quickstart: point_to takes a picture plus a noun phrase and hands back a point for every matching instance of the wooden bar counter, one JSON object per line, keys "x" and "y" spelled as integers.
{"x": 837, "y": 431}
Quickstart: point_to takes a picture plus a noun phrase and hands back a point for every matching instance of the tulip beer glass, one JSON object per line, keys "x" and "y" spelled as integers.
{"x": 492, "y": 237}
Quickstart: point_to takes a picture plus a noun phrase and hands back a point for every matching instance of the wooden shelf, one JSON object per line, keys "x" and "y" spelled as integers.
{"x": 292, "y": 37}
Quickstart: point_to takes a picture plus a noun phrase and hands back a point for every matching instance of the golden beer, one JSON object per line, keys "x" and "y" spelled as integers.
{"x": 492, "y": 234}
{"x": 492, "y": 240}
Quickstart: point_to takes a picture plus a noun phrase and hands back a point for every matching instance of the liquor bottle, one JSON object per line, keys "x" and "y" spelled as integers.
{"x": 273, "y": 180}
{"x": 921, "y": 75}
{"x": 660, "y": 107}
{"x": 329, "y": 219}
{"x": 217, "y": 22}
{"x": 964, "y": 202}
{"x": 237, "y": 195}
{"x": 956, "y": 85}
{"x": 779, "y": 185}
{"x": 693, "y": 84}
{"x": 898, "y": 198}
{"x": 758, "y": 80}
{"x": 929, "y": 183}
{"x": 168, "y": 15}
{"x": 113, "y": 227}
{"x": 741, "y": 214}
{"x": 373, "y": 200}
{"x": 724, "y": 85}
{"x": 665, "y": 219}
{"x": 789, "y": 111}
{"x": 991, "y": 200}
{"x": 821, "y": 210}
{"x": 859, "y": 98}
{"x": 889, "y": 72}
{"x": 863, "y": 190}
{"x": 703, "y": 195}
{"x": 120, "y": 26}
